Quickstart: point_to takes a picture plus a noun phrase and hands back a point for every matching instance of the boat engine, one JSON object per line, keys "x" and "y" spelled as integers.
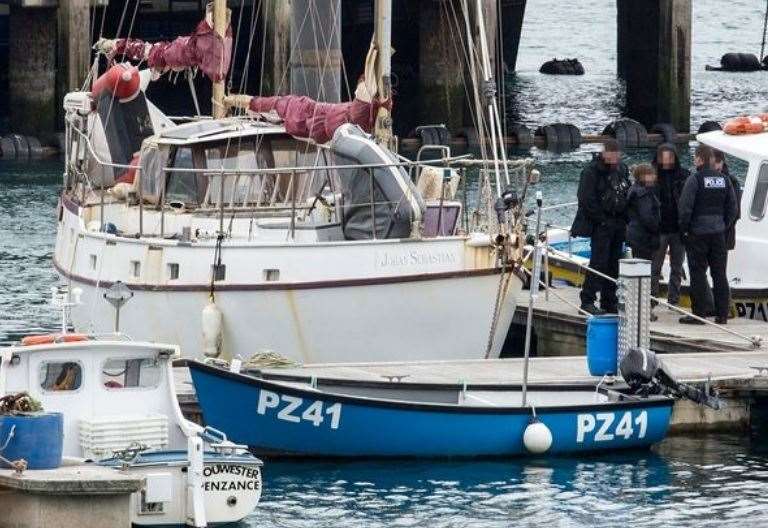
{"x": 646, "y": 374}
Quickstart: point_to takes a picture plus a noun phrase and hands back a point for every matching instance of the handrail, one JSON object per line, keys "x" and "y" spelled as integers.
{"x": 559, "y": 206}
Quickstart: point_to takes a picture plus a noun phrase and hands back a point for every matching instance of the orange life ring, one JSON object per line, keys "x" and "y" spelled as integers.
{"x": 47, "y": 339}
{"x": 121, "y": 80}
{"x": 745, "y": 125}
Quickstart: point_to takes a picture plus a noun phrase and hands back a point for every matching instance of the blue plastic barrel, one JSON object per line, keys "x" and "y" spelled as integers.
{"x": 37, "y": 438}
{"x": 602, "y": 344}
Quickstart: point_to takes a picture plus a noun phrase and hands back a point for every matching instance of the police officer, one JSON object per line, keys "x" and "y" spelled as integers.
{"x": 602, "y": 216}
{"x": 707, "y": 210}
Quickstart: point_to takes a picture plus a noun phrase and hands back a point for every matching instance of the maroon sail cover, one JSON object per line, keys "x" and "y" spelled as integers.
{"x": 202, "y": 49}
{"x": 305, "y": 117}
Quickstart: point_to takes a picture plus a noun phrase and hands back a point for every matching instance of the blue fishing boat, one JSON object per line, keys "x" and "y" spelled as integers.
{"x": 342, "y": 418}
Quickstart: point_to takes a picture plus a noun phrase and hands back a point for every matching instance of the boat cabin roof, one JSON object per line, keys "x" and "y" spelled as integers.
{"x": 747, "y": 147}
{"x": 216, "y": 130}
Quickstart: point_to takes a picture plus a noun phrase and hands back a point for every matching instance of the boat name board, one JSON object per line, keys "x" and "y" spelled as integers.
{"x": 242, "y": 478}
{"x": 599, "y": 427}
{"x": 287, "y": 408}
{"x": 402, "y": 259}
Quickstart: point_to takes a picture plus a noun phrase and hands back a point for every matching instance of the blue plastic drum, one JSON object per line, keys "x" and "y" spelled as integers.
{"x": 37, "y": 438}
{"x": 602, "y": 344}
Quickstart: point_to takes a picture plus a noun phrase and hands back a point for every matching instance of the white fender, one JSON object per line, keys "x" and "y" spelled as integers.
{"x": 213, "y": 329}
{"x": 537, "y": 438}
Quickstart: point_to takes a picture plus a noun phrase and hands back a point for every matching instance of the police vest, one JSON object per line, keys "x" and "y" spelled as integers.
{"x": 711, "y": 195}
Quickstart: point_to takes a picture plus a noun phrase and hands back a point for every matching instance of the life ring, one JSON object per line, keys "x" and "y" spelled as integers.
{"x": 121, "y": 80}
{"x": 47, "y": 339}
{"x": 745, "y": 125}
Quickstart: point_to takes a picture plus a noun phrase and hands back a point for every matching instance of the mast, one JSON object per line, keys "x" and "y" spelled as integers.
{"x": 382, "y": 38}
{"x": 220, "y": 28}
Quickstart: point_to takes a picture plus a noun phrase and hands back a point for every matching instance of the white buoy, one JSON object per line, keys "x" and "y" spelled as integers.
{"x": 213, "y": 329}
{"x": 537, "y": 438}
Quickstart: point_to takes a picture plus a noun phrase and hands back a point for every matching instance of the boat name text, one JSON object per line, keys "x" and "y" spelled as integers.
{"x": 600, "y": 426}
{"x": 413, "y": 258}
{"x": 295, "y": 410}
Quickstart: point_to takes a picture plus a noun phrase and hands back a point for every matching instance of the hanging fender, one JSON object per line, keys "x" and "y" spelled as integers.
{"x": 121, "y": 80}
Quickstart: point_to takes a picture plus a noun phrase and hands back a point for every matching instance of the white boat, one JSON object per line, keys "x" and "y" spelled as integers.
{"x": 119, "y": 408}
{"x": 237, "y": 237}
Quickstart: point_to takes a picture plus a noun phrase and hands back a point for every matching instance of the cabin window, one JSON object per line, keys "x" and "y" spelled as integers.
{"x": 271, "y": 275}
{"x": 239, "y": 189}
{"x": 757, "y": 209}
{"x": 135, "y": 268}
{"x": 173, "y": 271}
{"x": 60, "y": 376}
{"x": 92, "y": 260}
{"x": 131, "y": 373}
{"x": 182, "y": 185}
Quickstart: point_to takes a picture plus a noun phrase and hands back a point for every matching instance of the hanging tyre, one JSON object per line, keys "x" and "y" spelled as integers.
{"x": 666, "y": 130}
{"x": 521, "y": 134}
{"x": 35, "y": 147}
{"x": 628, "y": 132}
{"x": 470, "y": 134}
{"x": 560, "y": 137}
{"x": 7, "y": 148}
{"x": 22, "y": 147}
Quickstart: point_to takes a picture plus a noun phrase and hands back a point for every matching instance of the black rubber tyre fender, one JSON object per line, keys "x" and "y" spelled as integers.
{"x": 471, "y": 135}
{"x": 35, "y": 147}
{"x": 7, "y": 148}
{"x": 667, "y": 131}
{"x": 22, "y": 147}
{"x": 522, "y": 134}
{"x": 709, "y": 126}
{"x": 560, "y": 136}
{"x": 628, "y": 132}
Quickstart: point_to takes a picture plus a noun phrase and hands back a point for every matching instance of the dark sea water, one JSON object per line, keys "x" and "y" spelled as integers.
{"x": 706, "y": 480}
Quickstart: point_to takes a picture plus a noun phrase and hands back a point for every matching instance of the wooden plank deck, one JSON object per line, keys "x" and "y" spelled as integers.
{"x": 666, "y": 333}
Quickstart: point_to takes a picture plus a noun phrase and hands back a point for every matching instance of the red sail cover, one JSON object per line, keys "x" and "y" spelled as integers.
{"x": 202, "y": 49}
{"x": 305, "y": 117}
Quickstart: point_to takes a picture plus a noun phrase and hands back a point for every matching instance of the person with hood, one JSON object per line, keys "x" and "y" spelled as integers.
{"x": 671, "y": 178}
{"x": 644, "y": 213}
{"x": 707, "y": 210}
{"x": 602, "y": 216}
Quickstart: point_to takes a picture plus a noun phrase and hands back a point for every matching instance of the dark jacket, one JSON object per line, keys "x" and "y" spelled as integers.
{"x": 670, "y": 185}
{"x": 730, "y": 234}
{"x": 602, "y": 197}
{"x": 707, "y": 203}
{"x": 644, "y": 211}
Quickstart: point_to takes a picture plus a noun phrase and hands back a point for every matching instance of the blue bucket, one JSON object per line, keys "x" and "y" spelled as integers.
{"x": 602, "y": 344}
{"x": 37, "y": 438}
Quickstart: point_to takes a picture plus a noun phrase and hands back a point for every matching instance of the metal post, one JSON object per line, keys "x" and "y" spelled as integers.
{"x": 220, "y": 23}
{"x": 634, "y": 296}
{"x": 535, "y": 272}
{"x": 292, "y": 185}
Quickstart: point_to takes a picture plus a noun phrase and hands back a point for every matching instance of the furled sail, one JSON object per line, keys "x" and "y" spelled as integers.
{"x": 203, "y": 49}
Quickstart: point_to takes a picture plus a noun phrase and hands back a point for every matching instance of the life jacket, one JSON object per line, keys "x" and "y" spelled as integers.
{"x": 711, "y": 195}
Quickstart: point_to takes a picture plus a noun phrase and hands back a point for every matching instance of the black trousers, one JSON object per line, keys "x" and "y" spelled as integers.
{"x": 607, "y": 248}
{"x": 708, "y": 251}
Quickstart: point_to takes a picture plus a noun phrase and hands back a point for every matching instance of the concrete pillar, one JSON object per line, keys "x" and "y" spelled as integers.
{"x": 74, "y": 47}
{"x": 277, "y": 55}
{"x": 32, "y": 70}
{"x": 654, "y": 57}
{"x": 316, "y": 56}
{"x": 511, "y": 17}
{"x": 440, "y": 66}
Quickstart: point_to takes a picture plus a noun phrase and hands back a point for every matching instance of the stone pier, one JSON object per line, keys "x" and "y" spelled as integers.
{"x": 654, "y": 59}
{"x": 511, "y": 15}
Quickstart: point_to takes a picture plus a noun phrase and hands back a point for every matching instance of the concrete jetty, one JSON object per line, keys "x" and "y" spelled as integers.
{"x": 72, "y": 495}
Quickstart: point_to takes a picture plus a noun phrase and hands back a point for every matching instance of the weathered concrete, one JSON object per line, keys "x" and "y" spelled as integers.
{"x": 316, "y": 49}
{"x": 654, "y": 58}
{"x": 32, "y": 67}
{"x": 440, "y": 65}
{"x": 70, "y": 496}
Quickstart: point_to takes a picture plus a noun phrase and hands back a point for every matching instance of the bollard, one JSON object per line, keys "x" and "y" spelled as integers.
{"x": 634, "y": 296}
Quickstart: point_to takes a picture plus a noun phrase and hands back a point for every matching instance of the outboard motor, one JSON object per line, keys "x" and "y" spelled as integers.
{"x": 645, "y": 374}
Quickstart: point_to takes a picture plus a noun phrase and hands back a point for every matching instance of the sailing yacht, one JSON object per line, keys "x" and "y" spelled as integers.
{"x": 292, "y": 228}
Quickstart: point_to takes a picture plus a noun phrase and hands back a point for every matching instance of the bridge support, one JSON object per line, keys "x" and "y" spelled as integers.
{"x": 512, "y": 13}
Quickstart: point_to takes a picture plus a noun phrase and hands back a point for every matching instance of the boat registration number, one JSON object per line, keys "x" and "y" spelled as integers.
{"x": 296, "y": 410}
{"x": 605, "y": 427}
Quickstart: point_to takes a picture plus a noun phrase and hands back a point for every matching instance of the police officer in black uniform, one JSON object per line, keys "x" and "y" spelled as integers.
{"x": 707, "y": 210}
{"x": 602, "y": 216}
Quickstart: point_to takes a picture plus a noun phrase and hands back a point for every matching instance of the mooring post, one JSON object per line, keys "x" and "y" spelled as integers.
{"x": 277, "y": 55}
{"x": 316, "y": 45}
{"x": 32, "y": 70}
{"x": 654, "y": 58}
{"x": 512, "y": 13}
{"x": 74, "y": 45}
{"x": 441, "y": 64}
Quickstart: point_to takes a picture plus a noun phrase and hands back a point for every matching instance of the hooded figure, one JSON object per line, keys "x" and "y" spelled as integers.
{"x": 671, "y": 178}
{"x": 643, "y": 208}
